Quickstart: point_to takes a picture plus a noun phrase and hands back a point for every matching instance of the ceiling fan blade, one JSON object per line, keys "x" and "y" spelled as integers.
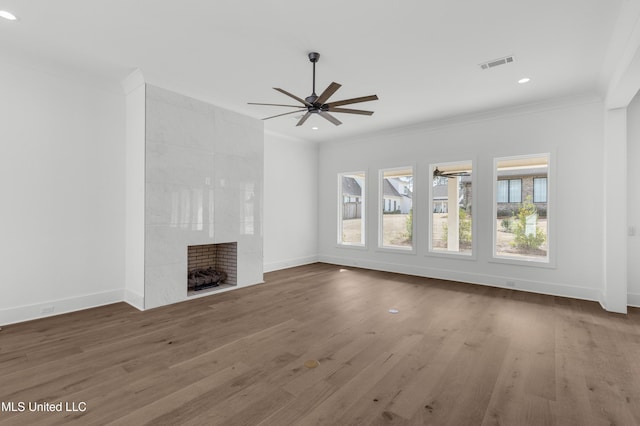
{"x": 437, "y": 173}
{"x": 353, "y": 101}
{"x": 292, "y": 106}
{"x": 302, "y": 101}
{"x": 303, "y": 119}
{"x": 279, "y": 115}
{"x": 330, "y": 90}
{"x": 350, "y": 111}
{"x": 452, "y": 175}
{"x": 330, "y": 118}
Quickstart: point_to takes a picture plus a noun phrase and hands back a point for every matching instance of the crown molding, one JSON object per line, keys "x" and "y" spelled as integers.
{"x": 477, "y": 117}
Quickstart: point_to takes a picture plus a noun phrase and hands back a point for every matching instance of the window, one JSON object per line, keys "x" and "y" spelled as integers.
{"x": 351, "y": 219}
{"x": 540, "y": 190}
{"x": 509, "y": 191}
{"x": 396, "y": 205}
{"x": 451, "y": 208}
{"x": 521, "y": 209}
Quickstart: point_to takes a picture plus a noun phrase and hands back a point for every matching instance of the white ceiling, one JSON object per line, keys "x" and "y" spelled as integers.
{"x": 420, "y": 57}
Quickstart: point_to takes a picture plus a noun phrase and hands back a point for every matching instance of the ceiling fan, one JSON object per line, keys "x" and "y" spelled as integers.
{"x": 438, "y": 173}
{"x": 315, "y": 104}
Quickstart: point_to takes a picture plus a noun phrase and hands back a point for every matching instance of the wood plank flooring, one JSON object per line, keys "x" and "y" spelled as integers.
{"x": 454, "y": 354}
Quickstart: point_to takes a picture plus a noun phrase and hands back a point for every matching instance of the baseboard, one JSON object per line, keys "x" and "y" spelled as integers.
{"x": 60, "y": 306}
{"x": 633, "y": 299}
{"x": 289, "y": 263}
{"x": 531, "y": 286}
{"x": 602, "y": 300}
{"x": 134, "y": 299}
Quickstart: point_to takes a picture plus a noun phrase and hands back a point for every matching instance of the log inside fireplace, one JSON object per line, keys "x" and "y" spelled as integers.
{"x": 201, "y": 279}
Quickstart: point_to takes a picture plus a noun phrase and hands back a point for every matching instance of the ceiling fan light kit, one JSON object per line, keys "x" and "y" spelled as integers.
{"x": 314, "y": 104}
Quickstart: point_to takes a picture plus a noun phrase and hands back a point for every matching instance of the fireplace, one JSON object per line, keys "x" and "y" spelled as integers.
{"x": 194, "y": 176}
{"x": 211, "y": 267}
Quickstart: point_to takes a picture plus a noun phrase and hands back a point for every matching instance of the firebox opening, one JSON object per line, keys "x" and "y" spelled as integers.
{"x": 211, "y": 267}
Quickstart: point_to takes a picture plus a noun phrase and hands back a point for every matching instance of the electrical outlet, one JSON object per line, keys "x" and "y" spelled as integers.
{"x": 46, "y": 310}
{"x": 511, "y": 283}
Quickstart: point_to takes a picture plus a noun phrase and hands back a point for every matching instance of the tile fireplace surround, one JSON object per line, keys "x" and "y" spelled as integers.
{"x": 203, "y": 177}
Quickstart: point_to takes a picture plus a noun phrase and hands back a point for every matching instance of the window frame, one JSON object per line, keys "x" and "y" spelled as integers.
{"x": 549, "y": 261}
{"x": 381, "y": 206}
{"x": 452, "y": 254}
{"x": 363, "y": 198}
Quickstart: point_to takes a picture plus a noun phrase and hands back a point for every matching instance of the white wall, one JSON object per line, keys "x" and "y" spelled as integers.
{"x": 62, "y": 168}
{"x": 290, "y": 202}
{"x": 571, "y": 131}
{"x": 633, "y": 200}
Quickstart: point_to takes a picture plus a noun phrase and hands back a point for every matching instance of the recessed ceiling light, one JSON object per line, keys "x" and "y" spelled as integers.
{"x": 524, "y": 80}
{"x": 314, "y": 128}
{"x": 7, "y": 15}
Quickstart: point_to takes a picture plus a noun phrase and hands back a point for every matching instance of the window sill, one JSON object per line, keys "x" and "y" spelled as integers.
{"x": 451, "y": 255}
{"x": 403, "y": 250}
{"x": 545, "y": 264}
{"x": 352, "y": 246}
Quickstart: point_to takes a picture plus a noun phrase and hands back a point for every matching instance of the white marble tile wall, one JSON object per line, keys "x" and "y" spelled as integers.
{"x": 204, "y": 179}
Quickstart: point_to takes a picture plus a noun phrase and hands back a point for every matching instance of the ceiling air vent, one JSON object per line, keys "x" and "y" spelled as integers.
{"x": 496, "y": 62}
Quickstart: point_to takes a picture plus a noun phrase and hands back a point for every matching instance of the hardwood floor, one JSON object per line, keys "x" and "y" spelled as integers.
{"x": 454, "y": 354}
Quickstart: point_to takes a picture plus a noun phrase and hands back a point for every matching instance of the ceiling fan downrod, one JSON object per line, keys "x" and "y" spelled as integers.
{"x": 313, "y": 57}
